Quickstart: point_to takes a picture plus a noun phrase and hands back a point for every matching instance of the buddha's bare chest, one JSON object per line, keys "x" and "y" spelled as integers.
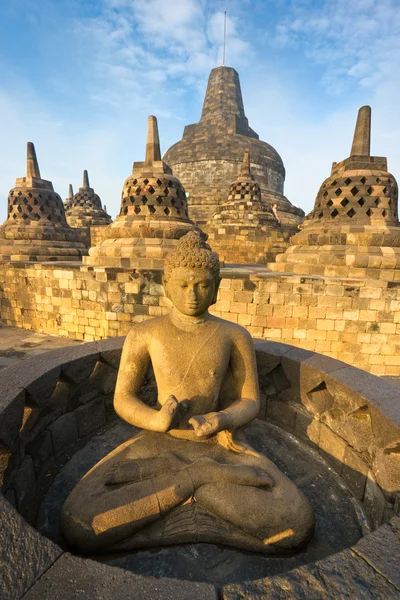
{"x": 189, "y": 364}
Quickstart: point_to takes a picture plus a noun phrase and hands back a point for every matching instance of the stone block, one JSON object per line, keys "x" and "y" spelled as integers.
{"x": 80, "y": 369}
{"x": 64, "y": 432}
{"x": 332, "y": 448}
{"x": 90, "y": 416}
{"x": 374, "y": 501}
{"x": 5, "y": 454}
{"x": 24, "y": 483}
{"x": 41, "y": 450}
{"x": 103, "y": 377}
{"x": 381, "y": 549}
{"x": 73, "y": 577}
{"x": 282, "y": 413}
{"x": 342, "y": 576}
{"x": 354, "y": 472}
{"x": 24, "y": 554}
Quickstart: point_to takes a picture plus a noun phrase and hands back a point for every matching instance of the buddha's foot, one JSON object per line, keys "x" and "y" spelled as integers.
{"x": 191, "y": 523}
{"x": 206, "y": 470}
{"x": 139, "y": 469}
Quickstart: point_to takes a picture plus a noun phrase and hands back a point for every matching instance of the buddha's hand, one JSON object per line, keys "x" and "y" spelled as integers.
{"x": 209, "y": 424}
{"x": 170, "y": 414}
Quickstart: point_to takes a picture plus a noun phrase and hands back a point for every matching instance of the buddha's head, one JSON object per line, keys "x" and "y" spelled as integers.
{"x": 191, "y": 275}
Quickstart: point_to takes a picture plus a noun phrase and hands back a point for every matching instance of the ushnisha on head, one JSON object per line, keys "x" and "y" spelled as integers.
{"x": 191, "y": 275}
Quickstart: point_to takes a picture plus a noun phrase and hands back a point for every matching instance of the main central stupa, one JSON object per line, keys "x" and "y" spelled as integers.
{"x": 210, "y": 154}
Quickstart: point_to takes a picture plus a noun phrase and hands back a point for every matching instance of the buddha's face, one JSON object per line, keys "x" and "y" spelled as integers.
{"x": 191, "y": 291}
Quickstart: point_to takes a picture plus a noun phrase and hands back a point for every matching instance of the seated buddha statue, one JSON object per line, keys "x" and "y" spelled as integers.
{"x": 189, "y": 475}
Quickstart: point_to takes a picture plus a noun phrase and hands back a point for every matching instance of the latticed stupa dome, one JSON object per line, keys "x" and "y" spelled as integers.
{"x": 209, "y": 156}
{"x": 153, "y": 211}
{"x": 244, "y": 205}
{"x": 84, "y": 209}
{"x": 244, "y": 229}
{"x": 36, "y": 228}
{"x": 354, "y": 222}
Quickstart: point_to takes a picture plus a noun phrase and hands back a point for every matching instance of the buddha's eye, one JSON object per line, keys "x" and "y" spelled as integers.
{"x": 183, "y": 285}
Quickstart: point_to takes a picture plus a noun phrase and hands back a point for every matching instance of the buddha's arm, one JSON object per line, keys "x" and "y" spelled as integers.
{"x": 246, "y": 404}
{"x": 135, "y": 360}
{"x": 244, "y": 371}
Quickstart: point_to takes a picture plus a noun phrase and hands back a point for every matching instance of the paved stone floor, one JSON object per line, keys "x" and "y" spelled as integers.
{"x": 19, "y": 344}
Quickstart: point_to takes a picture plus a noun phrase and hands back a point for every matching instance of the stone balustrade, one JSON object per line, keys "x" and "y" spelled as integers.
{"x": 355, "y": 320}
{"x": 58, "y": 401}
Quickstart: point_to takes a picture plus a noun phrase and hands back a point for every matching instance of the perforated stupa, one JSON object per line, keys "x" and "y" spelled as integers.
{"x": 244, "y": 229}
{"x": 84, "y": 209}
{"x": 353, "y": 229}
{"x": 153, "y": 214}
{"x": 36, "y": 228}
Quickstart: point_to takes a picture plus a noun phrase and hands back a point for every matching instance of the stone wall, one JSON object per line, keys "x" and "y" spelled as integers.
{"x": 58, "y": 402}
{"x": 356, "y": 320}
{"x": 238, "y": 244}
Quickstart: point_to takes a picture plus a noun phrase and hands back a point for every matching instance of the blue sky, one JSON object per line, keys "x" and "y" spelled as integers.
{"x": 79, "y": 77}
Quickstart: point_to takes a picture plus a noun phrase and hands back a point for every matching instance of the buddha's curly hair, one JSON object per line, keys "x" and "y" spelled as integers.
{"x": 193, "y": 252}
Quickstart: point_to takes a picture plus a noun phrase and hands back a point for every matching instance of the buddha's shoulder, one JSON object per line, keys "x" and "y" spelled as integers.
{"x": 150, "y": 327}
{"x": 233, "y": 330}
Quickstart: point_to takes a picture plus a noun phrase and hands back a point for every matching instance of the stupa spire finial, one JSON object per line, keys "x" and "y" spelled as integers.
{"x": 224, "y": 46}
{"x": 245, "y": 169}
{"x": 70, "y": 191}
{"x": 362, "y": 133}
{"x": 153, "y": 152}
{"x": 32, "y": 166}
{"x": 85, "y": 180}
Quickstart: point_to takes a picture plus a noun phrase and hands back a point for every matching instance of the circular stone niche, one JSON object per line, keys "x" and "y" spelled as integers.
{"x": 319, "y": 423}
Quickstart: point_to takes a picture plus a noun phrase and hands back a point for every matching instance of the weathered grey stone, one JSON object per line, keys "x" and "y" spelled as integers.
{"x": 374, "y": 501}
{"x": 42, "y": 388}
{"x": 80, "y": 369}
{"x": 332, "y": 448}
{"x": 354, "y": 427}
{"x": 24, "y": 483}
{"x": 354, "y": 472}
{"x": 103, "y": 377}
{"x": 381, "y": 549}
{"x": 90, "y": 416}
{"x": 351, "y": 386}
{"x": 5, "y": 454}
{"x": 343, "y": 576}
{"x": 282, "y": 413}
{"x": 318, "y": 399}
{"x": 64, "y": 432}
{"x": 41, "y": 449}
{"x": 24, "y": 554}
{"x": 386, "y": 468}
{"x": 12, "y": 402}
{"x": 113, "y": 357}
{"x": 72, "y": 577}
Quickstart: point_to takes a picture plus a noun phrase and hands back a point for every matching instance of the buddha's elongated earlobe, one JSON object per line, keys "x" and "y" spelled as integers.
{"x": 217, "y": 282}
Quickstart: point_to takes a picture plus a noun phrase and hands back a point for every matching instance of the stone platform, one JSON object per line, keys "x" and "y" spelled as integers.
{"x": 58, "y": 410}
{"x": 18, "y": 344}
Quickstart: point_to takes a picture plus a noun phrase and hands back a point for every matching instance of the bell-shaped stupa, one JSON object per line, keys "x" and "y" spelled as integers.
{"x": 36, "y": 228}
{"x": 68, "y": 200}
{"x": 209, "y": 156}
{"x": 84, "y": 209}
{"x": 153, "y": 214}
{"x": 244, "y": 229}
{"x": 353, "y": 229}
